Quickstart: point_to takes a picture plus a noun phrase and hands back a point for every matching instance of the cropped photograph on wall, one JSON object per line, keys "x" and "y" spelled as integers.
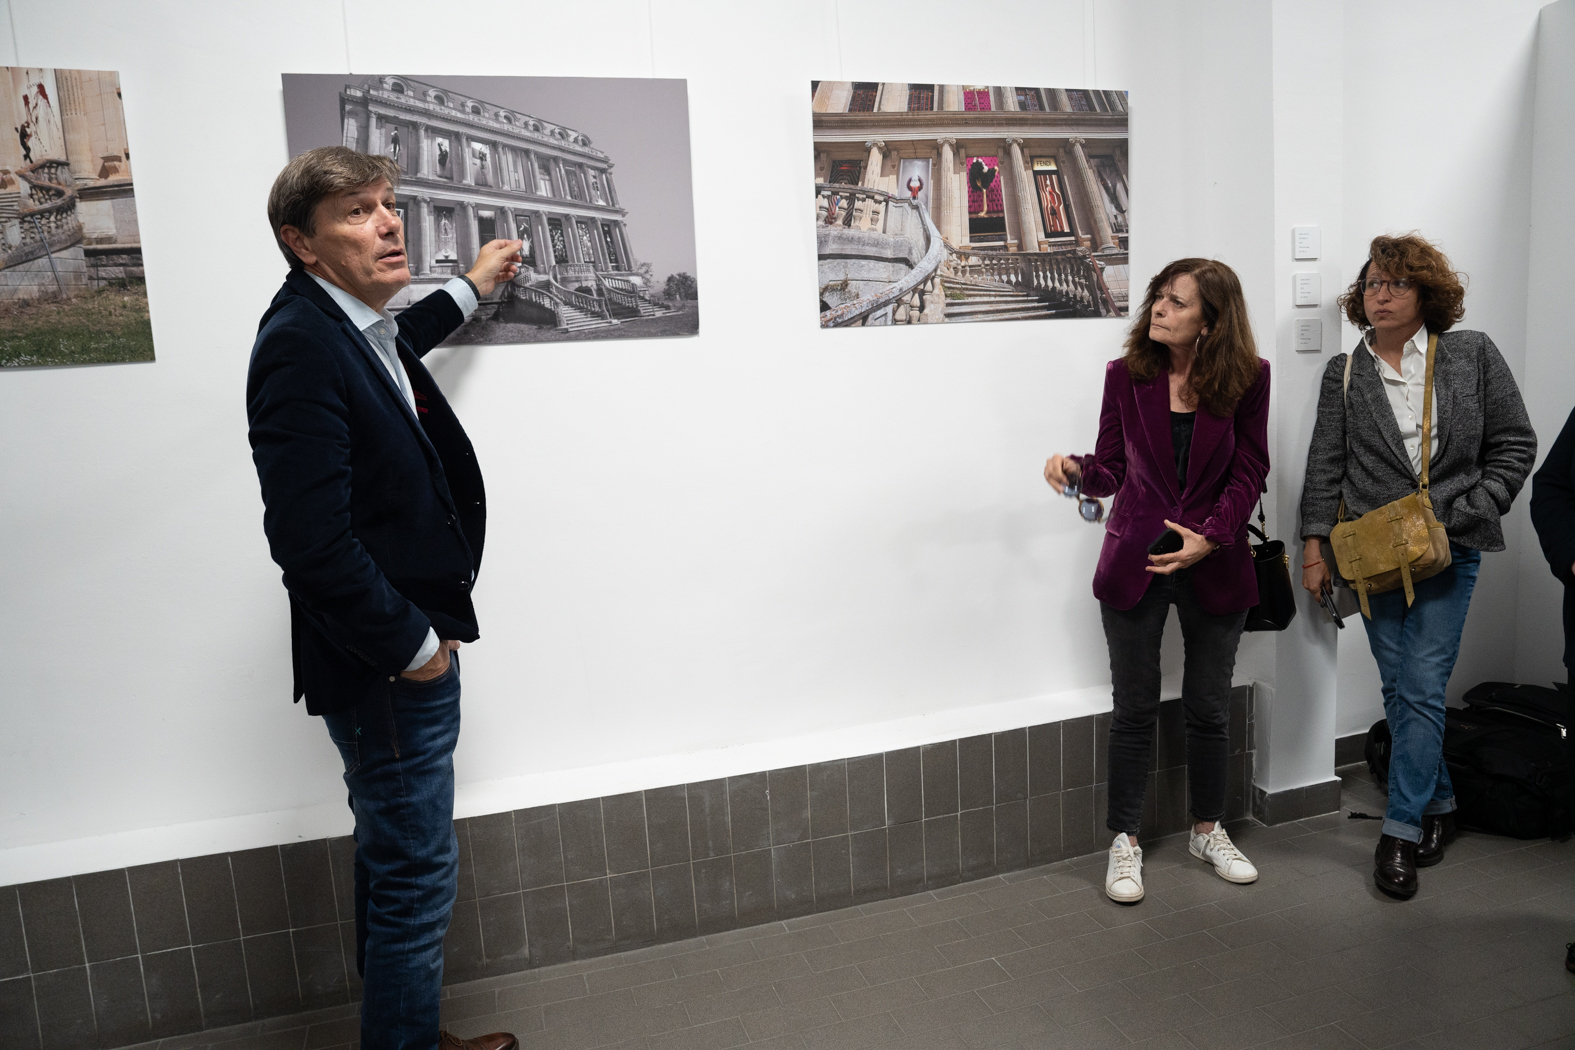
{"x": 71, "y": 279}
{"x": 606, "y": 254}
{"x": 943, "y": 203}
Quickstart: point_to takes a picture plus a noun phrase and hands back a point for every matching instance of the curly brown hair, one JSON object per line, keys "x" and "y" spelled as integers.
{"x": 1226, "y": 365}
{"x": 1441, "y": 291}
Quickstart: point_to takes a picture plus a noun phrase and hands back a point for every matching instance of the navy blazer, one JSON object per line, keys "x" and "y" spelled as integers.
{"x": 377, "y": 516}
{"x": 1553, "y": 516}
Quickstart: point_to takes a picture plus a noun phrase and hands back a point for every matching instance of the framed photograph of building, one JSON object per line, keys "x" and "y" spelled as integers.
{"x": 947, "y": 203}
{"x": 71, "y": 278}
{"x": 592, "y": 174}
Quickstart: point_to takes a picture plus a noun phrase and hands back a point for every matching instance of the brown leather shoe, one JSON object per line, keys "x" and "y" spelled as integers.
{"x": 1394, "y": 867}
{"x": 495, "y": 1041}
{"x": 1437, "y": 832}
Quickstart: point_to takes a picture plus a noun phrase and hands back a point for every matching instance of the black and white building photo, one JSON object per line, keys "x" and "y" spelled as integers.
{"x": 477, "y": 164}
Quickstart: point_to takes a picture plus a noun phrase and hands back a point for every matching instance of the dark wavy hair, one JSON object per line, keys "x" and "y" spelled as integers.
{"x": 1227, "y": 361}
{"x": 1441, "y": 291}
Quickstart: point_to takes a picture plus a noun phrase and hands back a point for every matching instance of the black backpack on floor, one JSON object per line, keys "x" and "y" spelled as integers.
{"x": 1507, "y": 757}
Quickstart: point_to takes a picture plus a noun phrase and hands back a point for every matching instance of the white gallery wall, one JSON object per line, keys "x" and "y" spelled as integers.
{"x": 1550, "y": 339}
{"x": 764, "y": 545}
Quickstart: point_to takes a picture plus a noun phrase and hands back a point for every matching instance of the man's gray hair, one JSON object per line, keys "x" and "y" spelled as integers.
{"x": 314, "y": 176}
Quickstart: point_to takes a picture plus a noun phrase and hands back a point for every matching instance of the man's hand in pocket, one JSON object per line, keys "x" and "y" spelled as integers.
{"x": 436, "y": 667}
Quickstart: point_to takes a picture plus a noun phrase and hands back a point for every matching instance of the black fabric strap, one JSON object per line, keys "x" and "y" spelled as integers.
{"x": 473, "y": 289}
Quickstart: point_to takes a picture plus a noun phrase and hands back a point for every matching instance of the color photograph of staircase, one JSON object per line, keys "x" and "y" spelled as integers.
{"x": 969, "y": 301}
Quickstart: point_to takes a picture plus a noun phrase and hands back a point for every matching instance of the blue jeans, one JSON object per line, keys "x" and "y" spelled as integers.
{"x": 1416, "y": 649}
{"x": 398, "y": 751}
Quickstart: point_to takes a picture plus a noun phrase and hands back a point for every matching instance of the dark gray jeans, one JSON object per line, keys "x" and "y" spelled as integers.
{"x": 1134, "y": 638}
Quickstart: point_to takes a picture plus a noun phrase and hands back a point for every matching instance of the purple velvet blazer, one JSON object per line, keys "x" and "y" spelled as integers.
{"x": 1134, "y": 461}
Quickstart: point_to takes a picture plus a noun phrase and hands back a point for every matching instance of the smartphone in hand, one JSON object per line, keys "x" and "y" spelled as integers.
{"x": 1168, "y": 542}
{"x": 1326, "y": 599}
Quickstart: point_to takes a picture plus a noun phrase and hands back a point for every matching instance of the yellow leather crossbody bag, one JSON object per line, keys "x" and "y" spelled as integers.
{"x": 1400, "y": 542}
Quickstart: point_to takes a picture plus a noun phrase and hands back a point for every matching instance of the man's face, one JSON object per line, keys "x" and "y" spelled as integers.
{"x": 359, "y": 244}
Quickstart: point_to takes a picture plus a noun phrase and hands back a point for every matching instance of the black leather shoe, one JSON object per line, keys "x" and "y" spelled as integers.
{"x": 1437, "y": 832}
{"x": 495, "y": 1041}
{"x": 1394, "y": 867}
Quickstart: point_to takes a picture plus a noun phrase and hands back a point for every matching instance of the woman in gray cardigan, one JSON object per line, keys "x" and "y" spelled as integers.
{"x": 1367, "y": 449}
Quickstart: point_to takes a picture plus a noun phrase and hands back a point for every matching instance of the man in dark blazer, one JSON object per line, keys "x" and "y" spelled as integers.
{"x": 1553, "y": 516}
{"x": 374, "y": 509}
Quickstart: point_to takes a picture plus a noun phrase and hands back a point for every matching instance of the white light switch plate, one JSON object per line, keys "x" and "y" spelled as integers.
{"x": 1308, "y": 241}
{"x": 1308, "y": 332}
{"x": 1308, "y": 288}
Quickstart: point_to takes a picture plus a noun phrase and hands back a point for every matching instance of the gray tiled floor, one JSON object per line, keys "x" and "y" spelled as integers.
{"x": 1312, "y": 956}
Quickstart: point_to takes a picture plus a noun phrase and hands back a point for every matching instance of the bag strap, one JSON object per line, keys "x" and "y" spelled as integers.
{"x": 1345, "y": 400}
{"x": 1262, "y": 531}
{"x": 1427, "y": 414}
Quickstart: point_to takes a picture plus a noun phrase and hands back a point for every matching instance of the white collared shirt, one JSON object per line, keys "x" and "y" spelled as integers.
{"x": 381, "y": 330}
{"x": 1404, "y": 389}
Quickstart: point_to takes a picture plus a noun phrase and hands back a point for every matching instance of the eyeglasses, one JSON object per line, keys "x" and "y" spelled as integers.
{"x": 1091, "y": 509}
{"x": 1398, "y": 288}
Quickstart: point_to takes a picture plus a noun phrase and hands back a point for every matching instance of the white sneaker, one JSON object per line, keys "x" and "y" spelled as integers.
{"x": 1217, "y": 849}
{"x": 1124, "y": 876}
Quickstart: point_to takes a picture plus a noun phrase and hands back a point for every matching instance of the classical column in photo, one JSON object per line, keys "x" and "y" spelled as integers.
{"x": 372, "y": 145}
{"x": 423, "y": 163}
{"x": 571, "y": 241}
{"x": 610, "y": 245}
{"x": 505, "y": 225}
{"x": 1062, "y": 103}
{"x": 528, "y": 160}
{"x": 468, "y": 177}
{"x": 612, "y": 191}
{"x": 943, "y": 178}
{"x": 1022, "y": 181}
{"x": 598, "y": 248}
{"x": 951, "y": 98}
{"x": 538, "y": 228}
{"x": 74, "y": 124}
{"x": 621, "y": 232}
{"x": 1104, "y": 236}
{"x": 468, "y": 251}
{"x": 873, "y": 167}
{"x": 422, "y": 257}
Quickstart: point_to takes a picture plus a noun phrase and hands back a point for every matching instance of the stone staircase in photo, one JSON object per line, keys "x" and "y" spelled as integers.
{"x": 577, "y": 320}
{"x": 650, "y": 309}
{"x": 993, "y": 301}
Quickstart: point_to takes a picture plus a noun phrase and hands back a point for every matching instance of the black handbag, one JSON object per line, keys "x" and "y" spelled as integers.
{"x": 1276, "y": 606}
{"x": 1507, "y": 758}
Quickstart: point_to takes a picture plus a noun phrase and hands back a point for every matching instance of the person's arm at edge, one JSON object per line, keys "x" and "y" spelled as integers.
{"x": 1553, "y": 504}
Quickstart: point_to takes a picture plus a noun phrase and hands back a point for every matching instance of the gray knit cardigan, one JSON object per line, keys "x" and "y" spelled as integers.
{"x": 1486, "y": 446}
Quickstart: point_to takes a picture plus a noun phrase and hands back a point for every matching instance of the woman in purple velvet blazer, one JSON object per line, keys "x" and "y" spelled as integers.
{"x": 1183, "y": 445}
